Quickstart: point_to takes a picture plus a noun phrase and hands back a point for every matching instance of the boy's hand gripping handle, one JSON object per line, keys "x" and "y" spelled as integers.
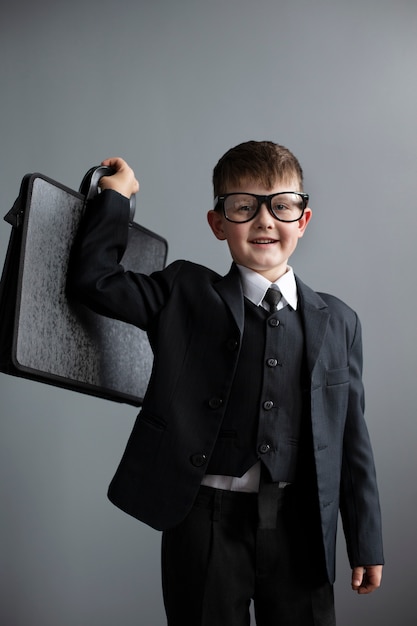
{"x": 90, "y": 185}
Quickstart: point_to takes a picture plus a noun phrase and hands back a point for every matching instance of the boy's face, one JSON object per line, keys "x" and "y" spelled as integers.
{"x": 264, "y": 244}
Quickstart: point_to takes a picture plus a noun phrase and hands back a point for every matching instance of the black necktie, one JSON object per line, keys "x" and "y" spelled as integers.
{"x": 272, "y": 297}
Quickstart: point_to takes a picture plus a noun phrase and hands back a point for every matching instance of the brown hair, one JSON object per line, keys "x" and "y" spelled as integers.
{"x": 260, "y": 161}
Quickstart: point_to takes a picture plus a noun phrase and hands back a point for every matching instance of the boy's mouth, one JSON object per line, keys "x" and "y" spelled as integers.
{"x": 264, "y": 241}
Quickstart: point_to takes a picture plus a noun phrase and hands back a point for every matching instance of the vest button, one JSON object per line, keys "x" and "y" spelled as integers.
{"x": 272, "y": 362}
{"x": 215, "y": 403}
{"x": 198, "y": 460}
{"x": 273, "y": 321}
{"x": 264, "y": 448}
{"x": 268, "y": 405}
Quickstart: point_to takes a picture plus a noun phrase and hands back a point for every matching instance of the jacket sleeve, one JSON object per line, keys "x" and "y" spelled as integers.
{"x": 359, "y": 500}
{"x": 96, "y": 276}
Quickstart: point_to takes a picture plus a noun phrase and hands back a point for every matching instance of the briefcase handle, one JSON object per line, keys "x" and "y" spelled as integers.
{"x": 90, "y": 185}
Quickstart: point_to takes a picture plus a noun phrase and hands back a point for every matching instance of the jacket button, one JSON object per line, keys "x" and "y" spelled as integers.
{"x": 273, "y": 321}
{"x": 264, "y": 448}
{"x": 272, "y": 362}
{"x": 215, "y": 403}
{"x": 198, "y": 460}
{"x": 268, "y": 405}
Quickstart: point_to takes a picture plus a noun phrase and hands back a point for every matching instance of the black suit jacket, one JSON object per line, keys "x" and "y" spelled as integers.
{"x": 194, "y": 319}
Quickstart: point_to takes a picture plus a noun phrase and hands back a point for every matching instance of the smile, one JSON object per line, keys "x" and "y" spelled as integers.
{"x": 264, "y": 241}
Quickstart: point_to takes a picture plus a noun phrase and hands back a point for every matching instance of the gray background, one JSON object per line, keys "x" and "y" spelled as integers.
{"x": 171, "y": 85}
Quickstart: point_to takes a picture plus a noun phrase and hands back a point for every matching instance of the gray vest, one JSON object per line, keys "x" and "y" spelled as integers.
{"x": 264, "y": 410}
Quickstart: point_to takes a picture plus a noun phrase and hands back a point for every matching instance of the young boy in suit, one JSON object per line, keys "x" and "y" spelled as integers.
{"x": 251, "y": 437}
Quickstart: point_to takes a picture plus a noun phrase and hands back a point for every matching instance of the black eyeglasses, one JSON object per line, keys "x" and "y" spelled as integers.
{"x": 286, "y": 206}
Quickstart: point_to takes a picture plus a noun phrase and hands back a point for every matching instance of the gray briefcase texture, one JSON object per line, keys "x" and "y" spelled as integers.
{"x": 43, "y": 335}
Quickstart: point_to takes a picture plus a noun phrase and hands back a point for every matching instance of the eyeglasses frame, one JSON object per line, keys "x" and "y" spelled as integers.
{"x": 219, "y": 200}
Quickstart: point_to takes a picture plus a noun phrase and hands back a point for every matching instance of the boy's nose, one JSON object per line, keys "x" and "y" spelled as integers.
{"x": 264, "y": 216}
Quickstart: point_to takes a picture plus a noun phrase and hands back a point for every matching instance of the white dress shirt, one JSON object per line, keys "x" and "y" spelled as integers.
{"x": 254, "y": 288}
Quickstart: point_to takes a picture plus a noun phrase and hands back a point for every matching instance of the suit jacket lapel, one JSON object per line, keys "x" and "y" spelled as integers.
{"x": 315, "y": 318}
{"x": 229, "y": 288}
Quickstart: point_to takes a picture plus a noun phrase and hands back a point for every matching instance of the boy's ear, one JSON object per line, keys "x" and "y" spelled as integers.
{"x": 216, "y": 221}
{"x": 302, "y": 223}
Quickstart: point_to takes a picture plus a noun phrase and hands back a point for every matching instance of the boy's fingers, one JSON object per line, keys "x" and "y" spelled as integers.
{"x": 357, "y": 577}
{"x": 366, "y": 579}
{"x": 116, "y": 163}
{"x": 123, "y": 180}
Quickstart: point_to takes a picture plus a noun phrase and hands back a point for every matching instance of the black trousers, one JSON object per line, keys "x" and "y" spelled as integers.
{"x": 234, "y": 548}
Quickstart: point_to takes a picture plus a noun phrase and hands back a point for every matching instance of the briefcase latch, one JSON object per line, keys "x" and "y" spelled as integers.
{"x": 16, "y": 213}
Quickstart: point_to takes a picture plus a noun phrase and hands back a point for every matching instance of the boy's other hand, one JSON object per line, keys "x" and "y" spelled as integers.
{"x": 123, "y": 181}
{"x": 366, "y": 579}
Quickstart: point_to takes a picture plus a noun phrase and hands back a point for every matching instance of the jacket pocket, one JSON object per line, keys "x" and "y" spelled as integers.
{"x": 152, "y": 420}
{"x": 338, "y": 376}
{"x": 145, "y": 448}
{"x": 227, "y": 434}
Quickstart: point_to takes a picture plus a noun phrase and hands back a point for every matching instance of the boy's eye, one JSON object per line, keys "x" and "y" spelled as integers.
{"x": 280, "y": 208}
{"x": 241, "y": 204}
{"x": 286, "y": 203}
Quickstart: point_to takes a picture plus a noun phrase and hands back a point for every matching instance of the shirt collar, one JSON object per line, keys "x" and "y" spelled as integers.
{"x": 255, "y": 285}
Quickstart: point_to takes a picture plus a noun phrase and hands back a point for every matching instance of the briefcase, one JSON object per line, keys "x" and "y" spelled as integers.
{"x": 46, "y": 337}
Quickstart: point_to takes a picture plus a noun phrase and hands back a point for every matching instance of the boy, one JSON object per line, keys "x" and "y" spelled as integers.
{"x": 251, "y": 435}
